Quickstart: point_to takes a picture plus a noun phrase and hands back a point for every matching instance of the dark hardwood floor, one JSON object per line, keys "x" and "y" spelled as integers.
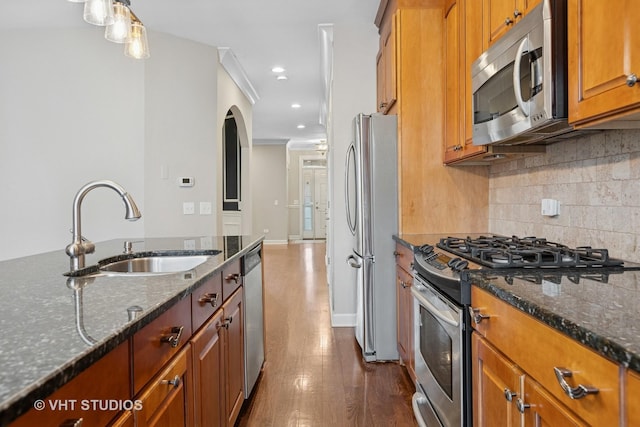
{"x": 314, "y": 374}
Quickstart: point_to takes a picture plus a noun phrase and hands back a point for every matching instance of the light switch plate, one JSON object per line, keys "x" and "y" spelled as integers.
{"x": 188, "y": 208}
{"x": 205, "y": 208}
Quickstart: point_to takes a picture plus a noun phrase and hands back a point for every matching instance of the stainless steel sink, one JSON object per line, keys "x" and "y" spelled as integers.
{"x": 155, "y": 264}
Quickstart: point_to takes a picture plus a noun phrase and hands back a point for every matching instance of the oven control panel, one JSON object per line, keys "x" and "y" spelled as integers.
{"x": 440, "y": 260}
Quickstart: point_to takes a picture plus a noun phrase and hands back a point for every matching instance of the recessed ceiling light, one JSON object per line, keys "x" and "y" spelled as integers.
{"x": 282, "y": 77}
{"x": 295, "y": 105}
{"x": 277, "y": 70}
{"x": 301, "y": 126}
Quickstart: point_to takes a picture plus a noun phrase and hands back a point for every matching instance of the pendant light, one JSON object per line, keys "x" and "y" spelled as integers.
{"x": 119, "y": 31}
{"x": 137, "y": 45}
{"x": 98, "y": 12}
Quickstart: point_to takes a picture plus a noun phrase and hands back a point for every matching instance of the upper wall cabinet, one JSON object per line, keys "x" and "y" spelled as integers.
{"x": 386, "y": 66}
{"x": 501, "y": 15}
{"x": 604, "y": 63}
{"x": 462, "y": 45}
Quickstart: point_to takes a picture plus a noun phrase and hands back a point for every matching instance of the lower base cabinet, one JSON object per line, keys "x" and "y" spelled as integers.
{"x": 166, "y": 401}
{"x": 234, "y": 356}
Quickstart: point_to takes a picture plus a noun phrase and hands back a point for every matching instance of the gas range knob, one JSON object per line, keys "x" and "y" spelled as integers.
{"x": 461, "y": 265}
{"x": 453, "y": 261}
{"x": 425, "y": 249}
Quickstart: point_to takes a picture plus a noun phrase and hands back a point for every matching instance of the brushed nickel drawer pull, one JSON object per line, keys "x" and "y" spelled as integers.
{"x": 176, "y": 381}
{"x": 577, "y": 392}
{"x": 521, "y": 406}
{"x": 632, "y": 79}
{"x": 174, "y": 338}
{"x": 211, "y": 298}
{"x": 476, "y": 316}
{"x": 72, "y": 423}
{"x": 509, "y": 395}
{"x": 234, "y": 277}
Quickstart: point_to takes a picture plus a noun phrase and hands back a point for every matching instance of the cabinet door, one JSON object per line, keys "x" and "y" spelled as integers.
{"x": 404, "y": 306}
{"x": 631, "y": 403}
{"x": 452, "y": 100}
{"x": 208, "y": 373}
{"x": 603, "y": 52}
{"x": 234, "y": 355}
{"x": 386, "y": 67}
{"x": 499, "y": 17}
{"x": 167, "y": 399}
{"x": 126, "y": 419}
{"x": 542, "y": 409}
{"x": 497, "y": 384}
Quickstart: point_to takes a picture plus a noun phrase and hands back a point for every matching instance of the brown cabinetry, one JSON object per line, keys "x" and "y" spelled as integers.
{"x": 386, "y": 67}
{"x": 462, "y": 46}
{"x": 425, "y": 185}
{"x": 543, "y": 355}
{"x": 207, "y": 350}
{"x": 404, "y": 308}
{"x": 604, "y": 63}
{"x": 234, "y": 356}
{"x": 632, "y": 409}
{"x": 501, "y": 15}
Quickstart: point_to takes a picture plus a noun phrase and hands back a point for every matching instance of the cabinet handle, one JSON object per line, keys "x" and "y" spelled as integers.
{"x": 396, "y": 253}
{"x": 516, "y": 13}
{"x": 209, "y": 299}
{"x": 174, "y": 338}
{"x": 508, "y": 21}
{"x": 476, "y": 316}
{"x": 577, "y": 392}
{"x": 176, "y": 381}
{"x": 632, "y": 79}
{"x": 382, "y": 105}
{"x": 509, "y": 395}
{"x": 234, "y": 277}
{"x": 522, "y": 406}
{"x": 404, "y": 285}
{"x": 226, "y": 322}
{"x": 72, "y": 423}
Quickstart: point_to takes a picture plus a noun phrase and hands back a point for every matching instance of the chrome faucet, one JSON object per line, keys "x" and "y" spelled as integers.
{"x": 80, "y": 246}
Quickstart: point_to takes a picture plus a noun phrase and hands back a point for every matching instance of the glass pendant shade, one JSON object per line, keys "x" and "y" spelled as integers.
{"x": 137, "y": 46}
{"x": 119, "y": 31}
{"x": 98, "y": 12}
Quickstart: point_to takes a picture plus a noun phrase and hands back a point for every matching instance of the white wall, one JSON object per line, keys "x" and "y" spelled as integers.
{"x": 182, "y": 135}
{"x": 269, "y": 184}
{"x": 71, "y": 111}
{"x": 354, "y": 91}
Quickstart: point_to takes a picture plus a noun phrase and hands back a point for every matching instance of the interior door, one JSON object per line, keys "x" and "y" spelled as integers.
{"x": 314, "y": 202}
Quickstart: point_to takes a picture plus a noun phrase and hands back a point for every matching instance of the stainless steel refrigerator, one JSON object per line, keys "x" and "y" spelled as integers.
{"x": 371, "y": 199}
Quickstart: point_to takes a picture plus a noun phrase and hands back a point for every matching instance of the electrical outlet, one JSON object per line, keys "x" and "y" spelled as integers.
{"x": 265, "y": 231}
{"x": 188, "y": 208}
{"x": 189, "y": 244}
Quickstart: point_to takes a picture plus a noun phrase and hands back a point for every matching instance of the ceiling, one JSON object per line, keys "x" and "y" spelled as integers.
{"x": 262, "y": 34}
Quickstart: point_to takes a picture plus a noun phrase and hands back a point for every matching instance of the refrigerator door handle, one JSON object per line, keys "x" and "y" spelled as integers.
{"x": 347, "y": 173}
{"x": 353, "y": 262}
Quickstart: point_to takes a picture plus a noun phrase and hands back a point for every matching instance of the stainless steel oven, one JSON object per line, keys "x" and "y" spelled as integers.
{"x": 439, "y": 336}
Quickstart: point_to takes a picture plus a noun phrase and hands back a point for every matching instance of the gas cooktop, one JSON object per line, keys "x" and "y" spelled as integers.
{"x": 495, "y": 251}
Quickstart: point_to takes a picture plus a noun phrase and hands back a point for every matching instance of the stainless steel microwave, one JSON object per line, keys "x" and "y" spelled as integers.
{"x": 519, "y": 83}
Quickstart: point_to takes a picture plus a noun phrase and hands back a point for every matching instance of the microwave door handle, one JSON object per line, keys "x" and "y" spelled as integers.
{"x": 517, "y": 90}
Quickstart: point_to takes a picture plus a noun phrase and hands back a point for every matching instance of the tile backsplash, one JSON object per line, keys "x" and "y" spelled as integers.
{"x": 596, "y": 179}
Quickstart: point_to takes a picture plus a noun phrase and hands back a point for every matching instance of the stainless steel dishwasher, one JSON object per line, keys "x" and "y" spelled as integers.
{"x": 253, "y": 317}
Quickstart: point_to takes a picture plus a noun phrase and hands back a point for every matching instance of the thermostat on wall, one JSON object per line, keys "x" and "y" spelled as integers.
{"x": 186, "y": 181}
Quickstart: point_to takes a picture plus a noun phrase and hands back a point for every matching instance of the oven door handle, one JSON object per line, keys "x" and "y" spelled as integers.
{"x": 433, "y": 309}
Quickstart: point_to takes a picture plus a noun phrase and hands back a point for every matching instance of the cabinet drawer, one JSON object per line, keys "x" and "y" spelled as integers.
{"x": 538, "y": 349}
{"x": 159, "y": 341}
{"x": 231, "y": 279}
{"x": 206, "y": 300}
{"x": 105, "y": 380}
{"x": 165, "y": 401}
{"x": 404, "y": 257}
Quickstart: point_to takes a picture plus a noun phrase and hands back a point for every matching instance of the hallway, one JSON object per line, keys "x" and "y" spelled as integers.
{"x": 314, "y": 374}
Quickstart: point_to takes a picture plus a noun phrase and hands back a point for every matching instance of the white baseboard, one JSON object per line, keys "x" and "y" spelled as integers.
{"x": 275, "y": 242}
{"x": 294, "y": 237}
{"x": 343, "y": 320}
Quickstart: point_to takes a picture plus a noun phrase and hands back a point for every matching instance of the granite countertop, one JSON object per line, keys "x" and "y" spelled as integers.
{"x": 56, "y": 326}
{"x": 596, "y": 307}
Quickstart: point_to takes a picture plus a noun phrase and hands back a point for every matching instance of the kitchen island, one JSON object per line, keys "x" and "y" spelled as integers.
{"x": 55, "y": 326}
